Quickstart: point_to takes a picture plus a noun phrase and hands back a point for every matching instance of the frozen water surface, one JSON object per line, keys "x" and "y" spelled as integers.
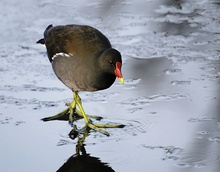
{"x": 169, "y": 103}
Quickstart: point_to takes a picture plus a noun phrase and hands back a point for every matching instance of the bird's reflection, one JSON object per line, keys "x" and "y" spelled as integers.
{"x": 82, "y": 161}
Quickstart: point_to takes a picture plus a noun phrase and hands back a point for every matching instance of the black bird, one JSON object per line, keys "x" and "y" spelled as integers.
{"x": 84, "y": 60}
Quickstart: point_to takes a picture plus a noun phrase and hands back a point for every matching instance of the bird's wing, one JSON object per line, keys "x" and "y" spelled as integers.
{"x": 65, "y": 67}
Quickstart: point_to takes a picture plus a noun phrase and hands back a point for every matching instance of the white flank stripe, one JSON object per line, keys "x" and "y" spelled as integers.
{"x": 61, "y": 54}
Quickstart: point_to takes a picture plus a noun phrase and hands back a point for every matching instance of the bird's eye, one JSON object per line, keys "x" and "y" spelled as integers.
{"x": 111, "y": 62}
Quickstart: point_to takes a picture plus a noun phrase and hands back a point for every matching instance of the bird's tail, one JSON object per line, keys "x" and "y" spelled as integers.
{"x": 42, "y": 41}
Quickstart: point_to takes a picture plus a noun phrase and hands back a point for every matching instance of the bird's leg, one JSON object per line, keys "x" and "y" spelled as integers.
{"x": 72, "y": 114}
{"x": 72, "y": 108}
{"x": 96, "y": 127}
{"x": 87, "y": 120}
{"x": 89, "y": 116}
{"x": 67, "y": 114}
{"x": 79, "y": 104}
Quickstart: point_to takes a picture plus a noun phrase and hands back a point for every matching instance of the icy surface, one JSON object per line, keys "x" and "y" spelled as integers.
{"x": 169, "y": 103}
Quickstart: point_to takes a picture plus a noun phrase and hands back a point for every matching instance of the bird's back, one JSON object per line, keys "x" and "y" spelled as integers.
{"x": 80, "y": 40}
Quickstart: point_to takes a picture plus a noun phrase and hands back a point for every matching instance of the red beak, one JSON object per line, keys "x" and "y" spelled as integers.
{"x": 118, "y": 72}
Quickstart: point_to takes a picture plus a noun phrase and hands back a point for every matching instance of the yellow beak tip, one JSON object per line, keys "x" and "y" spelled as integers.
{"x": 121, "y": 80}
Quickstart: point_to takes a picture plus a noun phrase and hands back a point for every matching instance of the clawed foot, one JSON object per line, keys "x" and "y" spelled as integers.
{"x": 72, "y": 114}
{"x": 97, "y": 127}
{"x": 65, "y": 115}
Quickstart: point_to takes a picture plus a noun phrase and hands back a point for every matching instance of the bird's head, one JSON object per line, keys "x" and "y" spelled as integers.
{"x": 110, "y": 61}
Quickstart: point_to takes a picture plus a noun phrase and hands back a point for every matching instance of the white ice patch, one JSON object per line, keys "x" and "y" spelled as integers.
{"x": 61, "y": 54}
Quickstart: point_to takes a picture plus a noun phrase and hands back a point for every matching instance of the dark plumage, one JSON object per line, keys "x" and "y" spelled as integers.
{"x": 82, "y": 57}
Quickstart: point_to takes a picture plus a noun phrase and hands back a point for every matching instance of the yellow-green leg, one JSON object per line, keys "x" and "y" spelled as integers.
{"x": 69, "y": 113}
{"x": 72, "y": 109}
{"x": 96, "y": 127}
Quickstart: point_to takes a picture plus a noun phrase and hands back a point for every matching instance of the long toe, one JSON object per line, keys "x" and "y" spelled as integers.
{"x": 64, "y": 115}
{"x": 89, "y": 116}
{"x": 92, "y": 126}
{"x": 109, "y": 125}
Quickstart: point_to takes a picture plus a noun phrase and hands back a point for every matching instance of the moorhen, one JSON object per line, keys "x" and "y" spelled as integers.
{"x": 84, "y": 60}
